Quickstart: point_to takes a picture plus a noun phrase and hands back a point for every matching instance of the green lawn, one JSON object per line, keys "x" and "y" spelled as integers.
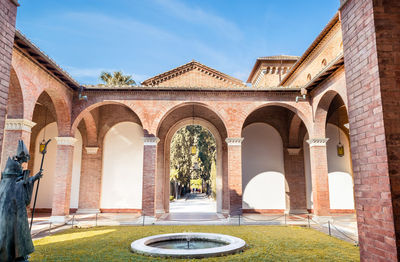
{"x": 265, "y": 243}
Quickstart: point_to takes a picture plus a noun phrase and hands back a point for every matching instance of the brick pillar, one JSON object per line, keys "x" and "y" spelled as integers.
{"x": 90, "y": 182}
{"x": 8, "y": 12}
{"x": 15, "y": 129}
{"x": 149, "y": 175}
{"x": 296, "y": 201}
{"x": 319, "y": 175}
{"x": 235, "y": 174}
{"x": 62, "y": 179}
{"x": 371, "y": 46}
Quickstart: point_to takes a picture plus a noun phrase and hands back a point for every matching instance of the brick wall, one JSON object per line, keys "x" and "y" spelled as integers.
{"x": 371, "y": 41}
{"x": 8, "y": 12}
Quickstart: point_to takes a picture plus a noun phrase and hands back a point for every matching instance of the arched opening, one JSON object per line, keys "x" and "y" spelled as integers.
{"x": 193, "y": 168}
{"x": 122, "y": 168}
{"x": 14, "y": 112}
{"x": 44, "y": 115}
{"x": 332, "y": 123}
{"x": 180, "y": 117}
{"x": 340, "y": 174}
{"x": 263, "y": 168}
{"x": 112, "y": 136}
{"x": 273, "y": 178}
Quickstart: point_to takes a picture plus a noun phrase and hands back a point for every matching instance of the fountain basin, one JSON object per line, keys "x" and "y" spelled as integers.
{"x": 200, "y": 245}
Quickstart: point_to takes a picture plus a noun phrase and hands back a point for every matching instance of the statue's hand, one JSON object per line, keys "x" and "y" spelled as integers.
{"x": 39, "y": 174}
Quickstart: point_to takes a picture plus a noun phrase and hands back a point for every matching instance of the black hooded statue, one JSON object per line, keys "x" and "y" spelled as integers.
{"x": 15, "y": 195}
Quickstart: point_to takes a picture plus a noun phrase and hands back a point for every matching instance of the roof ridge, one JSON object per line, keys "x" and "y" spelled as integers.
{"x": 161, "y": 77}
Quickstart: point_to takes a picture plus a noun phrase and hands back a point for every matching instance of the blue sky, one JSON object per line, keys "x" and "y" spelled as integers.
{"x": 147, "y": 37}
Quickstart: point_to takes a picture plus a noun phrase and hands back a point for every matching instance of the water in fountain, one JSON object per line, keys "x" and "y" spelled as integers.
{"x": 185, "y": 244}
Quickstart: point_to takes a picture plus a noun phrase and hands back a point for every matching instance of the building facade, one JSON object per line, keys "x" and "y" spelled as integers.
{"x": 283, "y": 142}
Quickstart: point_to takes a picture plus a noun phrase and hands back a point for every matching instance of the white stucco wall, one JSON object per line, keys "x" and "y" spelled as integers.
{"x": 341, "y": 193}
{"x": 263, "y": 177}
{"x": 122, "y": 167}
{"x": 45, "y": 194}
{"x": 76, "y": 170}
{"x": 307, "y": 172}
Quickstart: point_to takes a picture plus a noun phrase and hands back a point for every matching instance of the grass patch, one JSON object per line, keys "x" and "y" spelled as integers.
{"x": 265, "y": 243}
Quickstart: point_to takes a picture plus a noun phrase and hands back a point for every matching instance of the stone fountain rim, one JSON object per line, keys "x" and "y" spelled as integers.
{"x": 234, "y": 244}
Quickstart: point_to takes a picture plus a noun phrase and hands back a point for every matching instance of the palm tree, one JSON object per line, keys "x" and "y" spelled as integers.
{"x": 116, "y": 79}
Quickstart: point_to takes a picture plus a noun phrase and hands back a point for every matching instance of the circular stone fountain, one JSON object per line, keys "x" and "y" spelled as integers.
{"x": 188, "y": 245}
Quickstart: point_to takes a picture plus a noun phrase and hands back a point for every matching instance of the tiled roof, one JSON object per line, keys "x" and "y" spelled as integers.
{"x": 34, "y": 52}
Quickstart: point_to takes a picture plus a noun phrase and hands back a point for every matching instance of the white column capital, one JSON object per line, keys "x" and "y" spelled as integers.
{"x": 317, "y": 141}
{"x": 19, "y": 124}
{"x": 150, "y": 140}
{"x": 293, "y": 151}
{"x": 92, "y": 150}
{"x": 234, "y": 141}
{"x": 65, "y": 140}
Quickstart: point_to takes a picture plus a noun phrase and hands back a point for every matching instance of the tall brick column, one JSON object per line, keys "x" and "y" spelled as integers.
{"x": 319, "y": 175}
{"x": 8, "y": 13}
{"x": 371, "y": 45}
{"x": 62, "y": 179}
{"x": 90, "y": 182}
{"x": 15, "y": 129}
{"x": 296, "y": 201}
{"x": 149, "y": 175}
{"x": 235, "y": 174}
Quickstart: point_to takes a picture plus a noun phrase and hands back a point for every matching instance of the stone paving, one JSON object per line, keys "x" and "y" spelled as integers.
{"x": 197, "y": 209}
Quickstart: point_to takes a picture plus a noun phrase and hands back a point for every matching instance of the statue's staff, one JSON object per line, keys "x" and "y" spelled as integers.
{"x": 43, "y": 150}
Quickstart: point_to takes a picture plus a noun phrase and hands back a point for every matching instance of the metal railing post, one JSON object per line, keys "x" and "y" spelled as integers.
{"x": 329, "y": 227}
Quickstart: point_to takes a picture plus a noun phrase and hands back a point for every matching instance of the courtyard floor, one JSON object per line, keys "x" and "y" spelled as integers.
{"x": 264, "y": 243}
{"x": 196, "y": 209}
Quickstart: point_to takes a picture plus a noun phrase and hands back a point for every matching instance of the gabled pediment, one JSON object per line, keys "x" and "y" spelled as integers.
{"x": 193, "y": 74}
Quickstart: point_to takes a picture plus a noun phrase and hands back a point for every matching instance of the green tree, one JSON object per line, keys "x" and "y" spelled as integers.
{"x": 116, "y": 79}
{"x": 183, "y": 162}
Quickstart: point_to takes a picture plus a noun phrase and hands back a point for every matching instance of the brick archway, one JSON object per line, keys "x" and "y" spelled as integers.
{"x": 300, "y": 110}
{"x": 176, "y": 118}
{"x": 85, "y": 113}
{"x": 221, "y": 182}
{"x": 289, "y": 124}
{"x": 321, "y": 113}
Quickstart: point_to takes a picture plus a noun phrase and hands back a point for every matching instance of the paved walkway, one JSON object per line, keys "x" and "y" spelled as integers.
{"x": 197, "y": 209}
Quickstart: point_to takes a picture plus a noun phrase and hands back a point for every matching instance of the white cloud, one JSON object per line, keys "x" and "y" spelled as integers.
{"x": 126, "y": 27}
{"x": 199, "y": 16}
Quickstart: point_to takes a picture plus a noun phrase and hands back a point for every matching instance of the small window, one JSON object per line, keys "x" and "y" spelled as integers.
{"x": 323, "y": 63}
{"x": 309, "y": 77}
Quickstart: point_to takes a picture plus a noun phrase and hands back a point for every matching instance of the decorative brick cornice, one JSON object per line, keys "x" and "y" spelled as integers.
{"x": 293, "y": 151}
{"x": 234, "y": 141}
{"x": 150, "y": 140}
{"x": 65, "y": 140}
{"x": 92, "y": 150}
{"x": 317, "y": 141}
{"x": 19, "y": 124}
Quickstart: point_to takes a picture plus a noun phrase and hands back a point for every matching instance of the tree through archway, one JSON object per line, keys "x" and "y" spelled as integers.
{"x": 193, "y": 162}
